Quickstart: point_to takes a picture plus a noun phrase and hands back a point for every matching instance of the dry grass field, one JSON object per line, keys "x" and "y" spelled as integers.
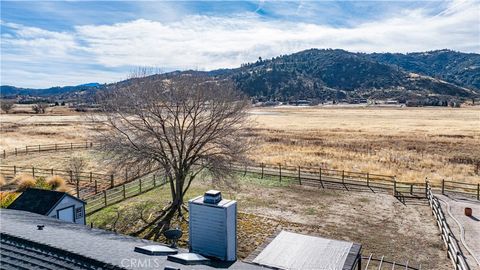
{"x": 411, "y": 143}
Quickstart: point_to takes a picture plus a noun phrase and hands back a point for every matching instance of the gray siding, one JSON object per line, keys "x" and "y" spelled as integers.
{"x": 213, "y": 229}
{"x": 79, "y": 209}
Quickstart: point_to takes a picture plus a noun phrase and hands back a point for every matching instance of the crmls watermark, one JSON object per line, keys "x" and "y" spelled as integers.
{"x": 135, "y": 263}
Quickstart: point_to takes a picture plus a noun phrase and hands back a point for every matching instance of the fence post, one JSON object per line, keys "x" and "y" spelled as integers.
{"x": 91, "y": 177}
{"x": 394, "y": 188}
{"x": 426, "y": 188}
{"x": 368, "y": 179}
{"x": 105, "y": 197}
{"x": 14, "y": 170}
{"x": 154, "y": 182}
{"x": 111, "y": 181}
{"x": 26, "y": 149}
{"x": 55, "y": 147}
{"x": 320, "y": 176}
{"x": 91, "y": 144}
{"x": 280, "y": 171}
{"x": 4, "y": 154}
{"x": 124, "y": 193}
{"x": 71, "y": 146}
{"x": 443, "y": 186}
{"x": 343, "y": 177}
{"x": 33, "y": 172}
{"x": 39, "y": 148}
{"x": 78, "y": 188}
{"x": 245, "y": 172}
{"x": 261, "y": 165}
{"x": 411, "y": 189}
{"x": 299, "y": 176}
{"x": 140, "y": 184}
{"x": 96, "y": 186}
{"x": 448, "y": 244}
{"x": 51, "y": 171}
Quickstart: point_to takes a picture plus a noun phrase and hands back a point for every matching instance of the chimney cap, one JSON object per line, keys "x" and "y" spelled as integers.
{"x": 212, "y": 197}
{"x": 213, "y": 192}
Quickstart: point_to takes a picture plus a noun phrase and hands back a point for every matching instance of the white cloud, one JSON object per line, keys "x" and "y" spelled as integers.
{"x": 208, "y": 42}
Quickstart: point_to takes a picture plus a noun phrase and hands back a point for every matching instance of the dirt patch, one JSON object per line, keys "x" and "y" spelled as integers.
{"x": 383, "y": 225}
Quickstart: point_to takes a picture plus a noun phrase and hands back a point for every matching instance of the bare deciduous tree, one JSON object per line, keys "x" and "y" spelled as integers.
{"x": 183, "y": 125}
{"x": 76, "y": 165}
{"x": 6, "y": 105}
{"x": 39, "y": 108}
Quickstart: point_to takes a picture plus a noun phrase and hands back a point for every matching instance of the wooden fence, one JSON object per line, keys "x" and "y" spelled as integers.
{"x": 453, "y": 249}
{"x": 314, "y": 176}
{"x": 86, "y": 183}
{"x": 124, "y": 191}
{"x": 28, "y": 149}
{"x": 472, "y": 190}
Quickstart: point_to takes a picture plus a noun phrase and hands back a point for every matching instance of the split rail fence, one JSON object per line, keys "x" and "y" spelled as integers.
{"x": 329, "y": 178}
{"x": 124, "y": 191}
{"x": 29, "y": 149}
{"x": 322, "y": 177}
{"x": 453, "y": 249}
{"x": 85, "y": 183}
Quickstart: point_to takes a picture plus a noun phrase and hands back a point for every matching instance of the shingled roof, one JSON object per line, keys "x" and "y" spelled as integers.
{"x": 76, "y": 246}
{"x": 39, "y": 201}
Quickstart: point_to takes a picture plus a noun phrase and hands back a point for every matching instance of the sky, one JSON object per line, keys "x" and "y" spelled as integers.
{"x": 58, "y": 43}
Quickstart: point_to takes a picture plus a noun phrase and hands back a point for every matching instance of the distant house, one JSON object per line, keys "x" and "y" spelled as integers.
{"x": 51, "y": 203}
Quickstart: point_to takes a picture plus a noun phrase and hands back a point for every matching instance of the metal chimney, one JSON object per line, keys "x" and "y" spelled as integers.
{"x": 213, "y": 226}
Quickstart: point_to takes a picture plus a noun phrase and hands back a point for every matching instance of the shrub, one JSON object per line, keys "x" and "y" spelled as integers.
{"x": 56, "y": 182}
{"x": 63, "y": 188}
{"x": 7, "y": 197}
{"x": 42, "y": 183}
{"x": 24, "y": 181}
{"x": 3, "y": 182}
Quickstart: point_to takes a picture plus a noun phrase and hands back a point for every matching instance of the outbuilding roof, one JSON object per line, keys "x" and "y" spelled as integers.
{"x": 39, "y": 201}
{"x": 290, "y": 250}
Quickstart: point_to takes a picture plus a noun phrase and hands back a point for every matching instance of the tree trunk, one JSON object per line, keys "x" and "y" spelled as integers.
{"x": 162, "y": 222}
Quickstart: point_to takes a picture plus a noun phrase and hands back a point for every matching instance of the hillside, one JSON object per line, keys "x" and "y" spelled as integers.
{"x": 338, "y": 74}
{"x": 462, "y": 69}
{"x": 433, "y": 78}
{"x": 57, "y": 91}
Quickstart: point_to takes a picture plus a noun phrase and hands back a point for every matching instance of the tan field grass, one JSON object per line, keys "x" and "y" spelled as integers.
{"x": 411, "y": 143}
{"x": 56, "y": 182}
{"x": 24, "y": 181}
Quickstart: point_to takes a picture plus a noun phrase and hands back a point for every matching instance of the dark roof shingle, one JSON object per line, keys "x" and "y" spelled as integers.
{"x": 39, "y": 201}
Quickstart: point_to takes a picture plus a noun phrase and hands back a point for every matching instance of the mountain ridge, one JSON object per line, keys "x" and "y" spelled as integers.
{"x": 334, "y": 74}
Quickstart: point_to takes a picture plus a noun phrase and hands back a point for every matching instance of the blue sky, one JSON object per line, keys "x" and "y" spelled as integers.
{"x": 50, "y": 43}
